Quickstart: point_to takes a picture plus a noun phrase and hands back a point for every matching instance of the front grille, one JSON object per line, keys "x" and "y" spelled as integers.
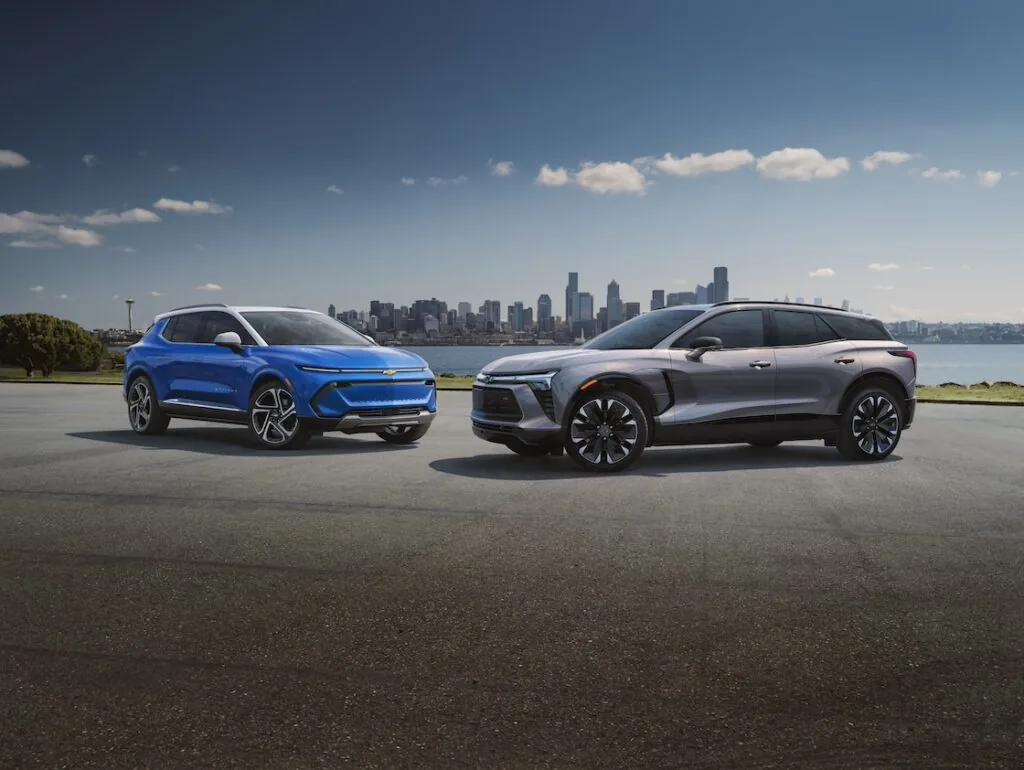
{"x": 496, "y": 402}
{"x": 546, "y": 399}
{"x": 395, "y": 412}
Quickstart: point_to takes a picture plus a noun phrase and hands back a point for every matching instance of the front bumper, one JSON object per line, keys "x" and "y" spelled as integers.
{"x": 371, "y": 422}
{"x": 508, "y": 414}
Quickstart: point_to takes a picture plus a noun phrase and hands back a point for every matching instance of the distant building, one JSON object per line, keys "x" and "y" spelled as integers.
{"x": 702, "y": 294}
{"x": 586, "y": 306}
{"x": 817, "y": 300}
{"x": 614, "y": 305}
{"x": 332, "y": 311}
{"x": 712, "y": 298}
{"x": 545, "y": 320}
{"x": 572, "y": 291}
{"x": 721, "y": 284}
{"x": 465, "y": 309}
{"x": 657, "y": 299}
{"x": 632, "y": 310}
{"x": 846, "y": 304}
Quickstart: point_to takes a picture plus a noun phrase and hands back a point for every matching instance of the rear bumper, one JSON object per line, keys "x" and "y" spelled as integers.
{"x": 371, "y": 423}
{"x": 909, "y": 408}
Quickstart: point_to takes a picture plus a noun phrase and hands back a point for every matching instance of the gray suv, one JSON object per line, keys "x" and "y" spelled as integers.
{"x": 734, "y": 372}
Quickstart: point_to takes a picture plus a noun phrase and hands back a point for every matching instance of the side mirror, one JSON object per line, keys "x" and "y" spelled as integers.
{"x": 229, "y": 340}
{"x": 702, "y": 345}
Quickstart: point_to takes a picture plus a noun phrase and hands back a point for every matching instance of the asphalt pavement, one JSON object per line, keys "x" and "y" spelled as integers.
{"x": 189, "y": 601}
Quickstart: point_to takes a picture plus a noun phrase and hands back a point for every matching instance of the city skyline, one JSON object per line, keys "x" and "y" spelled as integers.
{"x": 331, "y": 156}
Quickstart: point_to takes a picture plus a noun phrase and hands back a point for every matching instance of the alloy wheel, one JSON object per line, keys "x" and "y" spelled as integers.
{"x": 876, "y": 424}
{"x": 140, "y": 406}
{"x": 604, "y": 431}
{"x": 273, "y": 416}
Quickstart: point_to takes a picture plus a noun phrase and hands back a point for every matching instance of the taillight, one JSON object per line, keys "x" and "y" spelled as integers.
{"x": 907, "y": 353}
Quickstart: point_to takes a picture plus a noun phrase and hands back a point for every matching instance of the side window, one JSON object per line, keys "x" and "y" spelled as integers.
{"x": 168, "y": 332}
{"x": 793, "y": 328}
{"x": 737, "y": 329}
{"x": 186, "y": 328}
{"x": 858, "y": 328}
{"x": 215, "y": 322}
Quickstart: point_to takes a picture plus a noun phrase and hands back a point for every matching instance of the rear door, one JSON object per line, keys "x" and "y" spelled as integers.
{"x": 178, "y": 371}
{"x": 815, "y": 365}
{"x": 736, "y": 384}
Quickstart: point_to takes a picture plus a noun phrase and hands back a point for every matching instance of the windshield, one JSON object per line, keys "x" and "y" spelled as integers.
{"x": 643, "y": 332}
{"x": 280, "y": 327}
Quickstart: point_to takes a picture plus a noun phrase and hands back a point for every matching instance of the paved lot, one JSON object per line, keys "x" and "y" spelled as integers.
{"x": 186, "y": 601}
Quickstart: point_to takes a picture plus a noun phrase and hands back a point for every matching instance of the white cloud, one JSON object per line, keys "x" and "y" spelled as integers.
{"x": 882, "y": 287}
{"x": 12, "y": 159}
{"x": 407, "y": 180}
{"x": 28, "y": 222}
{"x": 926, "y": 267}
{"x": 822, "y": 272}
{"x": 62, "y": 296}
{"x": 90, "y": 160}
{"x": 77, "y": 236}
{"x": 335, "y": 189}
{"x": 174, "y": 168}
{"x": 879, "y": 267}
{"x": 907, "y": 313}
{"x": 128, "y": 249}
{"x": 697, "y": 163}
{"x": 893, "y": 158}
{"x": 989, "y": 178}
{"x": 801, "y": 164}
{"x": 33, "y": 245}
{"x": 37, "y": 289}
{"x": 941, "y": 176}
{"x": 209, "y": 287}
{"x": 195, "y": 207}
{"x": 437, "y": 181}
{"x": 502, "y": 168}
{"x": 200, "y": 247}
{"x": 117, "y": 296}
{"x": 552, "y": 177}
{"x": 103, "y": 217}
{"x": 155, "y": 294}
{"x": 611, "y": 177}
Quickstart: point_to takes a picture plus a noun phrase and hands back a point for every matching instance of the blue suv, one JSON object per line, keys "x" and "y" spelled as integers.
{"x": 287, "y": 373}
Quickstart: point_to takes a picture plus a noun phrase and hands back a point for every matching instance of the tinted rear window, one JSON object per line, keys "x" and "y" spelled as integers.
{"x": 793, "y": 327}
{"x": 853, "y": 328}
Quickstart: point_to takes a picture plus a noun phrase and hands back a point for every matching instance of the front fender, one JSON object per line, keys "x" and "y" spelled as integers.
{"x": 651, "y": 379}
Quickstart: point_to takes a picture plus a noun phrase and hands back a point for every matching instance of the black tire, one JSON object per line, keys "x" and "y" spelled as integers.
{"x": 871, "y": 425}
{"x": 403, "y": 434}
{"x": 272, "y": 419}
{"x": 144, "y": 411}
{"x": 602, "y": 421}
{"x": 764, "y": 444}
{"x": 530, "y": 450}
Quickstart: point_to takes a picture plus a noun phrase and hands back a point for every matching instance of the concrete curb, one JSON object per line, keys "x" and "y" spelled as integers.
{"x": 968, "y": 402}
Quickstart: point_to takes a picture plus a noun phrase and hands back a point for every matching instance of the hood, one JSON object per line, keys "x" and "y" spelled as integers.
{"x": 547, "y": 360}
{"x": 346, "y": 357}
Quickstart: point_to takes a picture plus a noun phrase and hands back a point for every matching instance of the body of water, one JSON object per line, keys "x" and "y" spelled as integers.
{"x": 966, "y": 364}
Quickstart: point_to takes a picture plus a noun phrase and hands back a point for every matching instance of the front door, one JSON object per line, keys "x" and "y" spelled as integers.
{"x": 730, "y": 393}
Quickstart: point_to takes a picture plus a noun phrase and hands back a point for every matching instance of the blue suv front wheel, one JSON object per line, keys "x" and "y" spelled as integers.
{"x": 273, "y": 419}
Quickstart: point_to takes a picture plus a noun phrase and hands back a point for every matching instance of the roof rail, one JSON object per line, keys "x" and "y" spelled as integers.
{"x": 776, "y": 302}
{"x": 189, "y": 307}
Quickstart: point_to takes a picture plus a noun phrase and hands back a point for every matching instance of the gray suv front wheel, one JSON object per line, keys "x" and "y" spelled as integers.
{"x": 607, "y": 432}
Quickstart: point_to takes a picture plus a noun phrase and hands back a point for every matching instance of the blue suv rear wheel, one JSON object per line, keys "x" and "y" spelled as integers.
{"x": 144, "y": 412}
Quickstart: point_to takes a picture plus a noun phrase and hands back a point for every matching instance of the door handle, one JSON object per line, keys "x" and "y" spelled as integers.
{"x": 760, "y": 364}
{"x": 845, "y": 360}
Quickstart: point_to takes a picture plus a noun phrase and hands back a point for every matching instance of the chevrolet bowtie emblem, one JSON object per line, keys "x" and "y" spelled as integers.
{"x": 388, "y": 372}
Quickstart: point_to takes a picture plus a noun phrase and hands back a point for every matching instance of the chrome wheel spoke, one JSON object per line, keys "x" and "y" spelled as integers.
{"x": 604, "y": 431}
{"x": 274, "y": 417}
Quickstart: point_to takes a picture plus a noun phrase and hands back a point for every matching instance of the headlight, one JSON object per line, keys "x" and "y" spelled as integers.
{"x": 374, "y": 370}
{"x": 539, "y": 381}
{"x": 319, "y": 369}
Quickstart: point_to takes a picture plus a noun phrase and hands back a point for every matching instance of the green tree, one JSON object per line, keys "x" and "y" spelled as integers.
{"x": 35, "y": 341}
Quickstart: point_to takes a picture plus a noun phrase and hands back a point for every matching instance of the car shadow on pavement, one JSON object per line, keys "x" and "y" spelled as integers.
{"x": 655, "y": 462}
{"x": 235, "y": 441}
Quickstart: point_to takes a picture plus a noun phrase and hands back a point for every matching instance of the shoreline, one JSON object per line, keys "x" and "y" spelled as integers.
{"x": 983, "y": 393}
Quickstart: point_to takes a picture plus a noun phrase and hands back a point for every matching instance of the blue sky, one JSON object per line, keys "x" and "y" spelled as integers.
{"x": 228, "y": 123}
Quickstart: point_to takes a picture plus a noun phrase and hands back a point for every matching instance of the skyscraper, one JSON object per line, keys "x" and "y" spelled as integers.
{"x": 572, "y": 291}
{"x": 632, "y": 310}
{"x": 721, "y": 284}
{"x": 817, "y": 300}
{"x": 710, "y": 288}
{"x": 846, "y": 304}
{"x": 332, "y": 311}
{"x": 586, "y": 306}
{"x": 465, "y": 309}
{"x": 544, "y": 317}
{"x": 657, "y": 299}
{"x": 614, "y": 305}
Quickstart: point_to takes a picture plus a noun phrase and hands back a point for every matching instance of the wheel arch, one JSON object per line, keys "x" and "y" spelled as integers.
{"x": 265, "y": 376}
{"x": 879, "y": 379}
{"x": 133, "y": 373}
{"x": 615, "y": 381}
